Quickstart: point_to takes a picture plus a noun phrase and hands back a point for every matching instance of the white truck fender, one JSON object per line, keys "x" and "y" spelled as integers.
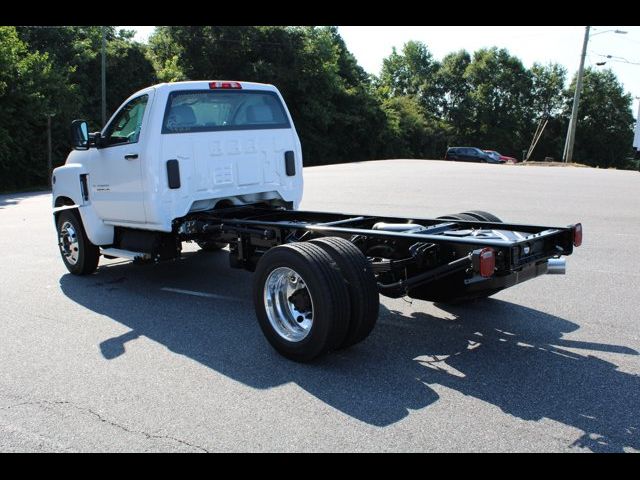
{"x": 67, "y": 185}
{"x": 97, "y": 231}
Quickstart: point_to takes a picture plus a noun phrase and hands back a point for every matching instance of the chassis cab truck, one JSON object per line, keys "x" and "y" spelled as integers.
{"x": 220, "y": 163}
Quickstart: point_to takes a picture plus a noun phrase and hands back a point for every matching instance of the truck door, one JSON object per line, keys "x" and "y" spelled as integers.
{"x": 116, "y": 175}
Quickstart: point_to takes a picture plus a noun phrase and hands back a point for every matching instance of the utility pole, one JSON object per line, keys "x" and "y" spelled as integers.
{"x": 49, "y": 154}
{"x": 571, "y": 134}
{"x": 104, "y": 77}
{"x": 636, "y": 136}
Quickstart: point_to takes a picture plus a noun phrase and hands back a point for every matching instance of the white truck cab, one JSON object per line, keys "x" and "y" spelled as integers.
{"x": 176, "y": 148}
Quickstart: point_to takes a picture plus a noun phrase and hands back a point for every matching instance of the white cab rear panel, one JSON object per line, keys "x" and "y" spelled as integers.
{"x": 237, "y": 165}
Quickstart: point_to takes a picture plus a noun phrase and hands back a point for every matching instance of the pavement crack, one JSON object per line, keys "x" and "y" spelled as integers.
{"x": 102, "y": 419}
{"x": 140, "y": 432}
{"x": 40, "y": 403}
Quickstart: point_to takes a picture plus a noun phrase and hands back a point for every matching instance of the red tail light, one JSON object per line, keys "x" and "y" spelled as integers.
{"x": 577, "y": 234}
{"x": 230, "y": 85}
{"x": 487, "y": 261}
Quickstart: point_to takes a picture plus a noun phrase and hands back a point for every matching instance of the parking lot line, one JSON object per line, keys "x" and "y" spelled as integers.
{"x": 200, "y": 294}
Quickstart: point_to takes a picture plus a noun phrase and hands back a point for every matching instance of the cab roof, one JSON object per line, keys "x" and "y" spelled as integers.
{"x": 220, "y": 84}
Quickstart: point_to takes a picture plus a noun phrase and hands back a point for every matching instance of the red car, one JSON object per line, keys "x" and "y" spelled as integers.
{"x": 500, "y": 157}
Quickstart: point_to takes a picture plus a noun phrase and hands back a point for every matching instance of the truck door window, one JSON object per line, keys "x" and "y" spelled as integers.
{"x": 126, "y": 125}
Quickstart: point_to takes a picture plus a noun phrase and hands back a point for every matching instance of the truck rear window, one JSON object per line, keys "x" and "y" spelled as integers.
{"x": 215, "y": 110}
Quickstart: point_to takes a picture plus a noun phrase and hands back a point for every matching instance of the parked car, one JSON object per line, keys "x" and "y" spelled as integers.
{"x": 500, "y": 157}
{"x": 469, "y": 154}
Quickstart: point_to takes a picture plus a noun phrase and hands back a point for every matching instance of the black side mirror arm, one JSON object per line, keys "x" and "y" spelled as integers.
{"x": 95, "y": 140}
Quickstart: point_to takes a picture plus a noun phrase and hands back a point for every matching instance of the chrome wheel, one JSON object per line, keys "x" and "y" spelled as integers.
{"x": 288, "y": 304}
{"x": 68, "y": 241}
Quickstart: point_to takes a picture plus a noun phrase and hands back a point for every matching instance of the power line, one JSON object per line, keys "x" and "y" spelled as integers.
{"x": 615, "y": 58}
{"x": 632, "y": 40}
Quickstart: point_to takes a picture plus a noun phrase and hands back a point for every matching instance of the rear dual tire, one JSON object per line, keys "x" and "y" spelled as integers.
{"x": 472, "y": 216}
{"x": 314, "y": 297}
{"x": 360, "y": 283}
{"x": 320, "y": 305}
{"x": 482, "y": 216}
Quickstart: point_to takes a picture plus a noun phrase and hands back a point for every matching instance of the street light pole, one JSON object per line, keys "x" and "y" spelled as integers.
{"x": 571, "y": 134}
{"x": 636, "y": 136}
{"x": 49, "y": 153}
{"x": 104, "y": 77}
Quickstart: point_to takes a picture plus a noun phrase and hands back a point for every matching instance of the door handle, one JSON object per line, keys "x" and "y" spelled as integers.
{"x": 131, "y": 156}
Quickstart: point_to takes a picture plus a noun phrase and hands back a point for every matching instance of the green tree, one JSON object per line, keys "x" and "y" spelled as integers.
{"x": 30, "y": 87}
{"x": 412, "y": 133}
{"x": 78, "y": 49}
{"x": 74, "y": 54}
{"x": 455, "y": 100}
{"x": 128, "y": 70}
{"x": 411, "y": 72}
{"x": 604, "y": 129}
{"x": 548, "y": 84}
{"x": 415, "y": 108}
{"x": 165, "y": 55}
{"x": 500, "y": 100}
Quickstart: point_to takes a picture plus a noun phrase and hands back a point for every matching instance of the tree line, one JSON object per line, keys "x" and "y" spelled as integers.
{"x": 415, "y": 108}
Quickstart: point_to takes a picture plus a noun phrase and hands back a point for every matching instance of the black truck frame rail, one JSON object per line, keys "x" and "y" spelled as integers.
{"x": 431, "y": 259}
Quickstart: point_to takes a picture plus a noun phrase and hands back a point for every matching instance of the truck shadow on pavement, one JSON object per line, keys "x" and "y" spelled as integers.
{"x": 507, "y": 355}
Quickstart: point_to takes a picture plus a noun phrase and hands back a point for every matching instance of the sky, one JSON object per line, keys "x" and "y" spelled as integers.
{"x": 558, "y": 44}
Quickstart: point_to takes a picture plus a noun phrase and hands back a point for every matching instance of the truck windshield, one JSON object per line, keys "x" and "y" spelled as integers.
{"x": 215, "y": 110}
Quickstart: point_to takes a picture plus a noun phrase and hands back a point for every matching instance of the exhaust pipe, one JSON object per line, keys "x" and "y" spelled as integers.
{"x": 557, "y": 266}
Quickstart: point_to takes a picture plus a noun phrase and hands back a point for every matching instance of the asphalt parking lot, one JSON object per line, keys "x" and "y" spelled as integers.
{"x": 169, "y": 357}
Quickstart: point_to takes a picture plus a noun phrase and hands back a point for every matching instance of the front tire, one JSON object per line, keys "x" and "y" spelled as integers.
{"x": 301, "y": 301}
{"x": 79, "y": 255}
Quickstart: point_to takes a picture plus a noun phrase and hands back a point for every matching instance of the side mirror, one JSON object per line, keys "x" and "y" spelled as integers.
{"x": 80, "y": 135}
